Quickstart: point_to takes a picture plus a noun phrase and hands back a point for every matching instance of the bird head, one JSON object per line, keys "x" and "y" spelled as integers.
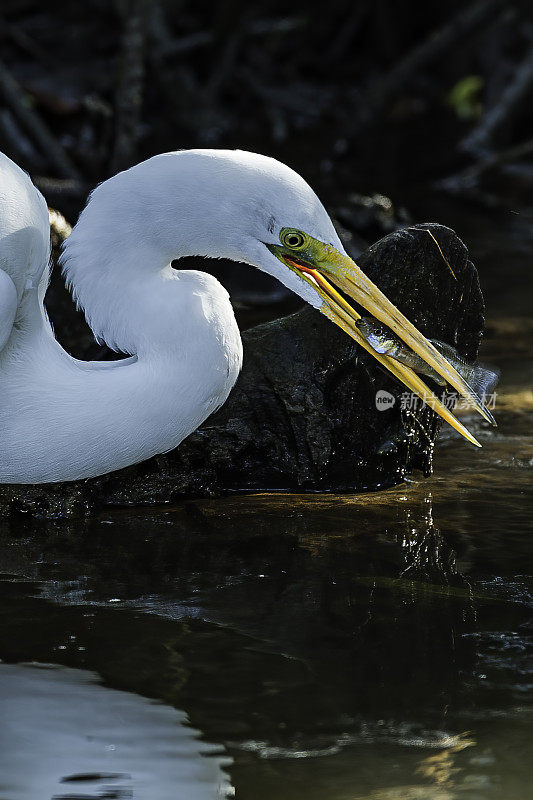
{"x": 290, "y": 235}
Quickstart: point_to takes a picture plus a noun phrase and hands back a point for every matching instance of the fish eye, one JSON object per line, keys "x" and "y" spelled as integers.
{"x": 293, "y": 239}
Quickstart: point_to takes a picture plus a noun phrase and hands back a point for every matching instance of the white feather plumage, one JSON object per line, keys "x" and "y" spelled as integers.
{"x": 64, "y": 419}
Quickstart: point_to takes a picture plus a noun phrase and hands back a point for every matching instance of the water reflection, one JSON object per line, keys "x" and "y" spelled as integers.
{"x": 371, "y": 647}
{"x": 64, "y": 736}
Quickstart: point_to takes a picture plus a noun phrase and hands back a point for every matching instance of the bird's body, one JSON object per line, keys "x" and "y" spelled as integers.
{"x": 65, "y": 419}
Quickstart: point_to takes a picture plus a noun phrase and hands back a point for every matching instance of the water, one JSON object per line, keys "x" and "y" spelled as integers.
{"x": 361, "y": 647}
{"x": 63, "y": 733}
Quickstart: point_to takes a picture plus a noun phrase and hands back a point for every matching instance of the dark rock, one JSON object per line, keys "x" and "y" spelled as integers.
{"x": 303, "y": 414}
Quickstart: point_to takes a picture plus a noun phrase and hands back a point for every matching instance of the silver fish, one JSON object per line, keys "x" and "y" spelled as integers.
{"x": 479, "y": 377}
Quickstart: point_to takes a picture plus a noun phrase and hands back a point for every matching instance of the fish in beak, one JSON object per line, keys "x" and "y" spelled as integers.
{"x": 316, "y": 262}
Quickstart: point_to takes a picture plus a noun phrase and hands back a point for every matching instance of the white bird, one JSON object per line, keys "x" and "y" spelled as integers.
{"x": 63, "y": 419}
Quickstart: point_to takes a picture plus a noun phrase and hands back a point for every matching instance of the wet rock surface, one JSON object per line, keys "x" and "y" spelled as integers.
{"x": 303, "y": 415}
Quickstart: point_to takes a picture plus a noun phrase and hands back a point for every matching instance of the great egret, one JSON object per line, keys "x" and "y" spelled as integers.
{"x": 63, "y": 419}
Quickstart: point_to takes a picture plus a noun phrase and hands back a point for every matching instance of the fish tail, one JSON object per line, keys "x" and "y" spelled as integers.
{"x": 483, "y": 380}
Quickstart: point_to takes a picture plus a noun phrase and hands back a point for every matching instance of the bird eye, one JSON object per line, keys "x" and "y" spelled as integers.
{"x": 293, "y": 239}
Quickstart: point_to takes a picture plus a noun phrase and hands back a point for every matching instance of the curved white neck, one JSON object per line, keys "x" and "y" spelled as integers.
{"x": 116, "y": 287}
{"x": 117, "y": 259}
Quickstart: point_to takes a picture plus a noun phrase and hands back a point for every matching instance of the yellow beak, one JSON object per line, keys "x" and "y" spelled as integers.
{"x": 352, "y": 280}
